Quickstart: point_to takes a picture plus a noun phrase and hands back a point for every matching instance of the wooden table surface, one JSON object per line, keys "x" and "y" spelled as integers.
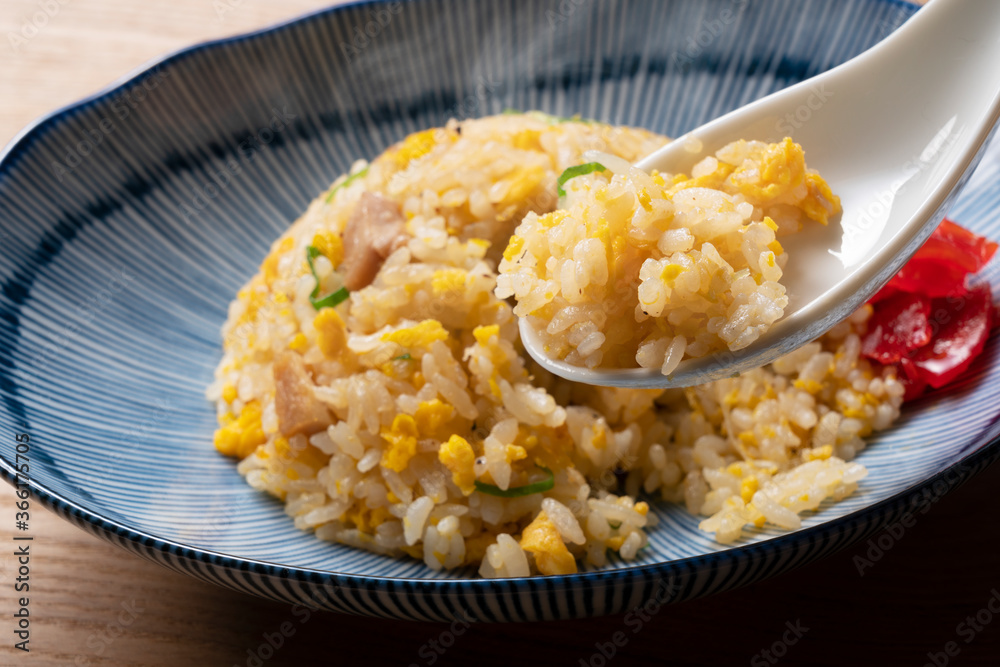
{"x": 93, "y": 604}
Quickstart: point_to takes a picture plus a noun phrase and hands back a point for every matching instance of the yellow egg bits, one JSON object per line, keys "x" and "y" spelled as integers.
{"x": 645, "y": 269}
{"x": 765, "y": 175}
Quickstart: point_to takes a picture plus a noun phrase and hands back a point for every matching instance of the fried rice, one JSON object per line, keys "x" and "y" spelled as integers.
{"x": 373, "y": 380}
{"x": 648, "y": 269}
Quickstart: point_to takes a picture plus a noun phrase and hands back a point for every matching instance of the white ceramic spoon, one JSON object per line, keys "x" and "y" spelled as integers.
{"x": 895, "y": 131}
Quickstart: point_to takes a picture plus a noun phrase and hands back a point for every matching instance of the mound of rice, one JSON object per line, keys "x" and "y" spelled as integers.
{"x": 648, "y": 269}
{"x": 373, "y": 380}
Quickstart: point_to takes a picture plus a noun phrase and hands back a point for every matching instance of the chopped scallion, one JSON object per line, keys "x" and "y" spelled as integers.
{"x": 350, "y": 179}
{"x": 330, "y": 300}
{"x": 578, "y": 170}
{"x": 519, "y": 491}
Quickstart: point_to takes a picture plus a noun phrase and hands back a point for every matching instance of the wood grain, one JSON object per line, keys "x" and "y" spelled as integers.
{"x": 86, "y": 44}
{"x": 94, "y": 604}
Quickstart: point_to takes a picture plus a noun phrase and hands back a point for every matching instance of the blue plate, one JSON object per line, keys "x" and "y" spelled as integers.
{"x": 128, "y": 222}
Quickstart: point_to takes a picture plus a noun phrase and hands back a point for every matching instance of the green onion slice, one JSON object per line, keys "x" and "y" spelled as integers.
{"x": 519, "y": 491}
{"x": 350, "y": 179}
{"x": 578, "y": 170}
{"x": 330, "y": 300}
{"x": 405, "y": 357}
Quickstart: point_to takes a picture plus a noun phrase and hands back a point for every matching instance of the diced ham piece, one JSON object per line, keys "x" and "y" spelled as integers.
{"x": 375, "y": 229}
{"x": 298, "y": 409}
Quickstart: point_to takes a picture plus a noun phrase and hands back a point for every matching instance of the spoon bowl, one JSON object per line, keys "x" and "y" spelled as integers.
{"x": 895, "y": 132}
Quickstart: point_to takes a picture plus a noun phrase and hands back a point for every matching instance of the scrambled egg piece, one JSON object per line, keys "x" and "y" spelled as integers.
{"x": 239, "y": 437}
{"x": 457, "y": 456}
{"x": 818, "y": 453}
{"x": 782, "y": 168}
{"x": 299, "y": 342}
{"x": 365, "y": 519}
{"x": 431, "y": 415}
{"x": 515, "y": 453}
{"x": 489, "y": 338}
{"x": 522, "y": 185}
{"x": 447, "y": 281}
{"x": 419, "y": 335}
{"x": 331, "y": 333}
{"x": 542, "y": 538}
{"x": 514, "y": 247}
{"x": 417, "y": 145}
{"x": 402, "y": 439}
{"x": 527, "y": 140}
{"x": 330, "y": 246}
{"x": 773, "y": 174}
{"x": 483, "y": 334}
